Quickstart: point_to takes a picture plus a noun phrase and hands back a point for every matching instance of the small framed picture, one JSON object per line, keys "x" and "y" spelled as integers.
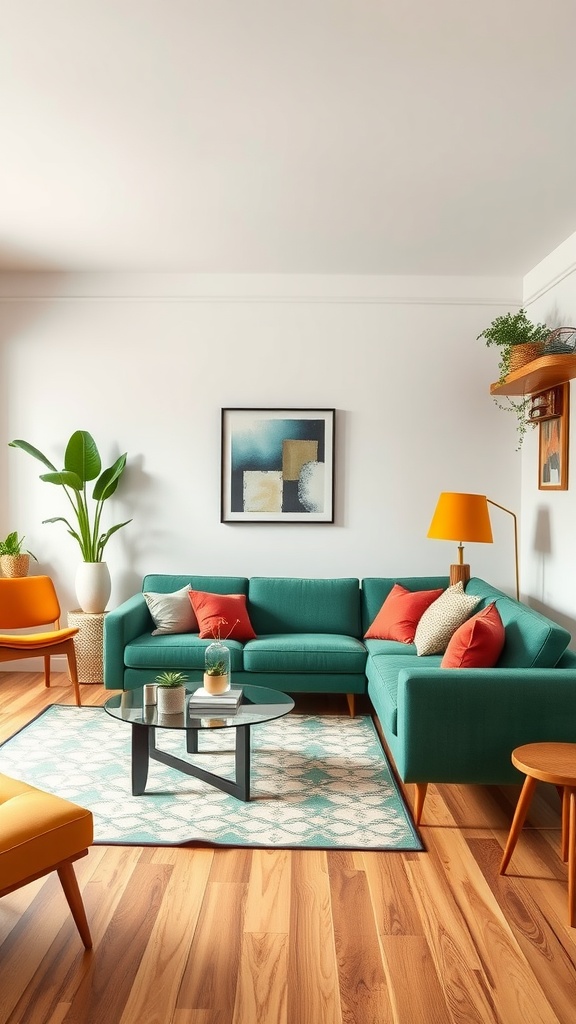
{"x": 277, "y": 466}
{"x": 553, "y": 449}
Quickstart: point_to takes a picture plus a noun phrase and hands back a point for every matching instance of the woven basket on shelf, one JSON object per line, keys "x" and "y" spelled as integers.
{"x": 525, "y": 353}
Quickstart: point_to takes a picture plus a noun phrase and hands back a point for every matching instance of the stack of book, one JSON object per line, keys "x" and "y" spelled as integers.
{"x": 201, "y": 701}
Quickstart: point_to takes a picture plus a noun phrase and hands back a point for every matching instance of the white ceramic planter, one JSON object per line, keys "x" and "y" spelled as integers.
{"x": 93, "y": 586}
{"x": 170, "y": 699}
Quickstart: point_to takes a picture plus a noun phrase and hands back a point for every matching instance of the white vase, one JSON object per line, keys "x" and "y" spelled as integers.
{"x": 93, "y": 586}
{"x": 171, "y": 700}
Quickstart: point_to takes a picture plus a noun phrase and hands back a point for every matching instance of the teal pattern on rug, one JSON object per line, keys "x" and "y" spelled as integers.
{"x": 317, "y": 782}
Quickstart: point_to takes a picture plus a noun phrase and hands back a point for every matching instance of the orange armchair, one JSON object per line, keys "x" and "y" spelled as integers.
{"x": 41, "y": 833}
{"x": 25, "y": 603}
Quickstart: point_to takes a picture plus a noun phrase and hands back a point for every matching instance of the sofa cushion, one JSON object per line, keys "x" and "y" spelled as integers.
{"x": 375, "y": 590}
{"x": 400, "y": 614}
{"x": 532, "y": 640}
{"x": 179, "y": 651}
{"x": 171, "y": 613}
{"x": 305, "y": 652}
{"x": 288, "y": 605}
{"x": 166, "y": 583}
{"x": 477, "y": 643}
{"x": 442, "y": 619}
{"x": 382, "y": 673}
{"x": 222, "y": 616}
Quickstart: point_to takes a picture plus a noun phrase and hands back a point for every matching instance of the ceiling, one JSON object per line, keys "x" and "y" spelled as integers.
{"x": 286, "y": 136}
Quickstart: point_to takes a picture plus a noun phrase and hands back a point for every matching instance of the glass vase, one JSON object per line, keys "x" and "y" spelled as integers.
{"x": 217, "y": 668}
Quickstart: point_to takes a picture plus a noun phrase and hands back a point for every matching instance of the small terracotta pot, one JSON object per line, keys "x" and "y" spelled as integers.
{"x": 216, "y": 684}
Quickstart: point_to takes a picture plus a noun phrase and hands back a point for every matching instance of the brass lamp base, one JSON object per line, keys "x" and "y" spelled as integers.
{"x": 459, "y": 573}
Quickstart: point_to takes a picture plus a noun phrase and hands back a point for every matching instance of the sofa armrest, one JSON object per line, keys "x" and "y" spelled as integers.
{"x": 122, "y": 625}
{"x": 461, "y": 725}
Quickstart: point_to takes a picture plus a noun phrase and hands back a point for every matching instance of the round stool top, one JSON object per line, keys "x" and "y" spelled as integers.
{"x": 549, "y": 762}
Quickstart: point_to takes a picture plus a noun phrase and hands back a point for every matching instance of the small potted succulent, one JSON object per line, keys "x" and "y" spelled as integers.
{"x": 171, "y": 692}
{"x": 13, "y": 561}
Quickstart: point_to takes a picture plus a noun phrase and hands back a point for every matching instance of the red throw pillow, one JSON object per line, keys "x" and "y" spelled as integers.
{"x": 223, "y": 615}
{"x": 478, "y": 642}
{"x": 400, "y": 614}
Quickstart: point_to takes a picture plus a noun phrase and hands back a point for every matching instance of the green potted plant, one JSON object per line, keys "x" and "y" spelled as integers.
{"x": 217, "y": 661}
{"x": 171, "y": 692}
{"x": 13, "y": 561}
{"x": 511, "y": 333}
{"x": 82, "y": 464}
{"x": 519, "y": 341}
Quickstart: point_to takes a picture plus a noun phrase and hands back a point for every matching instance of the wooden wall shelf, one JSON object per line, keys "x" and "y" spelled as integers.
{"x": 539, "y": 375}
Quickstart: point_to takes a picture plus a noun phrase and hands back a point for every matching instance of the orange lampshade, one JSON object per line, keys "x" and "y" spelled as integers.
{"x": 461, "y": 517}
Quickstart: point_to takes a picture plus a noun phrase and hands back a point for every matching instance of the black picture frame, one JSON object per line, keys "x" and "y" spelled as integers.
{"x": 277, "y": 465}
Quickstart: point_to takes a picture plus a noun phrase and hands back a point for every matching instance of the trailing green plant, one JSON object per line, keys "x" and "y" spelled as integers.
{"x": 509, "y": 330}
{"x": 505, "y": 332}
{"x": 82, "y": 464}
{"x": 171, "y": 680}
{"x": 13, "y": 546}
{"x": 520, "y": 408}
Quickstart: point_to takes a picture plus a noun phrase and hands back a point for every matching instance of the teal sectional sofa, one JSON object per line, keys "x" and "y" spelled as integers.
{"x": 309, "y": 635}
{"x": 440, "y": 725}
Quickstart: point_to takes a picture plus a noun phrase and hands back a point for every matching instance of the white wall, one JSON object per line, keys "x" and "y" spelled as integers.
{"x": 146, "y": 364}
{"x": 549, "y": 517}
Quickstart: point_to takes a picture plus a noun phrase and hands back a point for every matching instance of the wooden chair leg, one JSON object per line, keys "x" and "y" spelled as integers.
{"x": 565, "y": 823}
{"x": 73, "y": 671}
{"x": 46, "y": 670}
{"x": 419, "y": 798}
{"x": 350, "y": 697}
{"x": 572, "y": 858}
{"x": 518, "y": 820}
{"x": 69, "y": 882}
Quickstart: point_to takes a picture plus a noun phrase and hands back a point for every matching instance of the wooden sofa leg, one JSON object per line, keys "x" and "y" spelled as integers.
{"x": 420, "y": 796}
{"x": 69, "y": 882}
{"x": 351, "y": 698}
{"x": 46, "y": 670}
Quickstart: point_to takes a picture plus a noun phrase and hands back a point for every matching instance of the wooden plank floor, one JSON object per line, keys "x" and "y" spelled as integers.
{"x": 216, "y": 936}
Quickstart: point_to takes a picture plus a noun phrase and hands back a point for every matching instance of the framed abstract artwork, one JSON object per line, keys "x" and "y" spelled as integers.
{"x": 277, "y": 466}
{"x": 553, "y": 449}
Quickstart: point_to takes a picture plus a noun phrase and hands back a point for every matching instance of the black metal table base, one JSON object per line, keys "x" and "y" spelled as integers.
{"x": 144, "y": 747}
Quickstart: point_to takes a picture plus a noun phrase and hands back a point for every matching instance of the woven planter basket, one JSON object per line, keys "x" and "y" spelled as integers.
{"x": 522, "y": 354}
{"x": 14, "y": 565}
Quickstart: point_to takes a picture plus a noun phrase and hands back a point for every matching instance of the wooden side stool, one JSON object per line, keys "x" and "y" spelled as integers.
{"x": 555, "y": 763}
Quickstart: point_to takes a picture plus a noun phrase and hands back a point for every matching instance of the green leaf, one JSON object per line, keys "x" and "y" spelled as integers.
{"x": 105, "y": 537}
{"x": 64, "y": 479}
{"x": 108, "y": 482}
{"x": 82, "y": 456}
{"x": 31, "y": 450}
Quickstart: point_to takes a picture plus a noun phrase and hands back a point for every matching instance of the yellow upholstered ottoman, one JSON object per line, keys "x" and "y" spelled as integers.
{"x": 40, "y": 833}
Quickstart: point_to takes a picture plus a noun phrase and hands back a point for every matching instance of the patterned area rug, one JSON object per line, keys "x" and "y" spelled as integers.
{"x": 317, "y": 782}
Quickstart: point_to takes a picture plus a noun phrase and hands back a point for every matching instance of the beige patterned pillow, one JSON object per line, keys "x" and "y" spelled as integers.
{"x": 442, "y": 618}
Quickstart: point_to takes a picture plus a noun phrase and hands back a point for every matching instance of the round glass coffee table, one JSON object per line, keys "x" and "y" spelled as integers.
{"x": 258, "y": 704}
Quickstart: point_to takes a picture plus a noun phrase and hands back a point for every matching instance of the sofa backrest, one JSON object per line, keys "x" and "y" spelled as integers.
{"x": 279, "y": 604}
{"x": 532, "y": 640}
{"x": 375, "y": 590}
{"x": 160, "y": 583}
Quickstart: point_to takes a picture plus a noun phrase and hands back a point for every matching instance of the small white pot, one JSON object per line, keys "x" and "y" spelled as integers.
{"x": 216, "y": 684}
{"x": 171, "y": 699}
{"x": 93, "y": 586}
